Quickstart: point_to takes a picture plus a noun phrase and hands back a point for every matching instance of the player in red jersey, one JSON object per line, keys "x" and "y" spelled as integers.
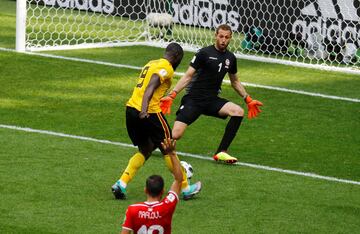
{"x": 155, "y": 215}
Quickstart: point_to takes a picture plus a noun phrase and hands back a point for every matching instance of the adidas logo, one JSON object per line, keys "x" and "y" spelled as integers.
{"x": 222, "y": 2}
{"x": 337, "y": 23}
{"x": 106, "y": 6}
{"x": 205, "y": 13}
{"x": 328, "y": 10}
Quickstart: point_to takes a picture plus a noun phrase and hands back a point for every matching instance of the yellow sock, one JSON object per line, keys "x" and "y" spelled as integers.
{"x": 135, "y": 163}
{"x": 184, "y": 184}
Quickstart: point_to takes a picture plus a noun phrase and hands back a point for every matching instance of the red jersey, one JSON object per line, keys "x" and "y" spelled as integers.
{"x": 151, "y": 217}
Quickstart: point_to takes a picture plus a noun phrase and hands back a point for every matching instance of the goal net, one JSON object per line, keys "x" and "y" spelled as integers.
{"x": 312, "y": 33}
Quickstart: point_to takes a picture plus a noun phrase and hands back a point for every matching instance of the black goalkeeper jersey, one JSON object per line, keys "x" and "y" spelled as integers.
{"x": 211, "y": 67}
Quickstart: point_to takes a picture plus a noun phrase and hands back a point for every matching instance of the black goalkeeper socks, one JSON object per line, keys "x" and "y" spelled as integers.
{"x": 230, "y": 133}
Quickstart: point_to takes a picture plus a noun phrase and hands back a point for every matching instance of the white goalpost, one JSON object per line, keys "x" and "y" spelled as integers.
{"x": 323, "y": 34}
{"x": 21, "y": 14}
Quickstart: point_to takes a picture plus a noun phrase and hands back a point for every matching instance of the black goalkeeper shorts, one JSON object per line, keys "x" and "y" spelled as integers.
{"x": 190, "y": 109}
{"x": 154, "y": 128}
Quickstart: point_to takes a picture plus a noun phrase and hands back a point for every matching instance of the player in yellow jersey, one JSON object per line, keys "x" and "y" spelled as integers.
{"x": 146, "y": 125}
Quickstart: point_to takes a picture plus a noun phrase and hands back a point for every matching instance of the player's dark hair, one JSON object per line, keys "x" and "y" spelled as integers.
{"x": 224, "y": 27}
{"x": 174, "y": 52}
{"x": 154, "y": 185}
{"x": 174, "y": 48}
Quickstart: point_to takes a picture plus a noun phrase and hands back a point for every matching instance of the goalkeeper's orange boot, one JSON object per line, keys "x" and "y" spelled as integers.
{"x": 224, "y": 157}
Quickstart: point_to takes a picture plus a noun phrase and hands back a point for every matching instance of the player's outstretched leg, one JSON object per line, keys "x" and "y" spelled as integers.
{"x": 135, "y": 163}
{"x": 188, "y": 191}
{"x": 230, "y": 133}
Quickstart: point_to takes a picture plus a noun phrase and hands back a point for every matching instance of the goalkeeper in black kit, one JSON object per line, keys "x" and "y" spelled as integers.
{"x": 203, "y": 81}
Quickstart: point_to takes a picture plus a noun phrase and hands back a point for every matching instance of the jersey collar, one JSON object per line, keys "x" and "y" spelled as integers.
{"x": 221, "y": 52}
{"x": 151, "y": 203}
{"x": 166, "y": 61}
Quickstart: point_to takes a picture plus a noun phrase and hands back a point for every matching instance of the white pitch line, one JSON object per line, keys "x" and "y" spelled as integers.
{"x": 298, "y": 92}
{"x": 181, "y": 74}
{"x": 305, "y": 174}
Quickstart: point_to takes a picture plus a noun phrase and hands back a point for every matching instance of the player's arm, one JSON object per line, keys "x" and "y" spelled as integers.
{"x": 236, "y": 84}
{"x": 166, "y": 102}
{"x": 169, "y": 148}
{"x": 253, "y": 105}
{"x": 149, "y": 91}
{"x": 184, "y": 80}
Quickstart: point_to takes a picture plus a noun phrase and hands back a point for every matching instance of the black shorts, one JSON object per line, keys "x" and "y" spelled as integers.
{"x": 154, "y": 128}
{"x": 190, "y": 109}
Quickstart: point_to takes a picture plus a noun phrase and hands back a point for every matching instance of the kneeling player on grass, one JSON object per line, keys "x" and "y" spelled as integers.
{"x": 145, "y": 123}
{"x": 203, "y": 80}
{"x": 155, "y": 215}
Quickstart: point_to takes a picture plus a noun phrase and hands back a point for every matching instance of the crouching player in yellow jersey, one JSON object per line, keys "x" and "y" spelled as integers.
{"x": 146, "y": 125}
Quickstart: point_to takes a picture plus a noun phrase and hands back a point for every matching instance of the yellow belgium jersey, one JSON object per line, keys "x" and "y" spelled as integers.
{"x": 165, "y": 71}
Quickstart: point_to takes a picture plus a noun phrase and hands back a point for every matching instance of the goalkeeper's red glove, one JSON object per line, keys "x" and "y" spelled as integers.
{"x": 253, "y": 107}
{"x": 166, "y": 102}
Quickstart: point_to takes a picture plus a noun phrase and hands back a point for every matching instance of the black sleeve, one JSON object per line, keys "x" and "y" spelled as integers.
{"x": 198, "y": 60}
{"x": 233, "y": 68}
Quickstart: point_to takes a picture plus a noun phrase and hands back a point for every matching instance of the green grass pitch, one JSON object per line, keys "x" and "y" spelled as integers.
{"x": 51, "y": 184}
